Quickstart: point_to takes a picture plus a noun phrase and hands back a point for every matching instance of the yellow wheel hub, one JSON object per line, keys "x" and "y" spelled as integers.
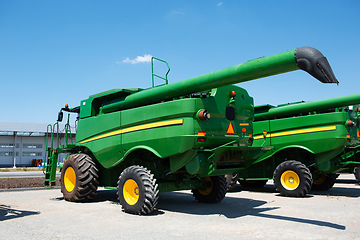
{"x": 209, "y": 187}
{"x": 131, "y": 192}
{"x": 69, "y": 179}
{"x": 290, "y": 180}
{"x": 320, "y": 180}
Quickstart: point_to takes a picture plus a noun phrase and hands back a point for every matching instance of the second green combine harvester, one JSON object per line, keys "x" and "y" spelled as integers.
{"x": 319, "y": 137}
{"x": 179, "y": 136}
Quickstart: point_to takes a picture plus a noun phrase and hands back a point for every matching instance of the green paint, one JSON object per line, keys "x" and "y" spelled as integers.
{"x": 314, "y": 133}
{"x": 159, "y": 128}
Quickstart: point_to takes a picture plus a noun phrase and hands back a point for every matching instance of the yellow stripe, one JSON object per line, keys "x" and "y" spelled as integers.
{"x": 244, "y": 124}
{"x": 308, "y": 130}
{"x": 103, "y": 136}
{"x": 258, "y": 137}
{"x": 137, "y": 128}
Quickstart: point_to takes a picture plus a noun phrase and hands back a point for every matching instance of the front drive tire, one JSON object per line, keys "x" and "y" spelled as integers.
{"x": 137, "y": 190}
{"x": 214, "y": 192}
{"x": 79, "y": 178}
{"x": 292, "y": 179}
{"x": 324, "y": 182}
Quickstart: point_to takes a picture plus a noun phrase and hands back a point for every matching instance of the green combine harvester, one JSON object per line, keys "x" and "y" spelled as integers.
{"x": 181, "y": 136}
{"x": 313, "y": 143}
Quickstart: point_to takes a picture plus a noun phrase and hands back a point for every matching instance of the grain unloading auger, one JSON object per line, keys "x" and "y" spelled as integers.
{"x": 267, "y": 112}
{"x": 184, "y": 135}
{"x": 305, "y": 58}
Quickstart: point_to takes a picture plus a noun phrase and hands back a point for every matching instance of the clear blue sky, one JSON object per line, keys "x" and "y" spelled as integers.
{"x": 57, "y": 52}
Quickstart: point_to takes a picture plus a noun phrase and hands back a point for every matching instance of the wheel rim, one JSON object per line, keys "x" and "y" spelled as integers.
{"x": 290, "y": 180}
{"x": 131, "y": 192}
{"x": 69, "y": 179}
{"x": 320, "y": 180}
{"x": 208, "y": 188}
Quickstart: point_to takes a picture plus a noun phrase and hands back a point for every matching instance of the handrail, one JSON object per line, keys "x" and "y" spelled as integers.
{"x": 68, "y": 131}
{"x": 57, "y": 134}
{"x": 153, "y": 74}
{"x": 46, "y": 143}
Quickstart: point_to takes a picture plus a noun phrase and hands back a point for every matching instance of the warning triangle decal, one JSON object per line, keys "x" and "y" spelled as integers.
{"x": 230, "y": 129}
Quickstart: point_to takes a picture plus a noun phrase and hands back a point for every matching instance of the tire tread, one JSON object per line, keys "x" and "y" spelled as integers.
{"x": 304, "y": 175}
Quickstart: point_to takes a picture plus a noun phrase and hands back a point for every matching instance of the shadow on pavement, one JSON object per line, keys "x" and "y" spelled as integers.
{"x": 7, "y": 213}
{"x": 339, "y": 192}
{"x": 101, "y": 196}
{"x": 347, "y": 181}
{"x": 230, "y": 207}
{"x": 268, "y": 188}
{"x": 106, "y": 195}
{"x": 352, "y": 189}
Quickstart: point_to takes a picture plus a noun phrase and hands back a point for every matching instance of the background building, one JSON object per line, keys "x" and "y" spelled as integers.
{"x": 21, "y": 143}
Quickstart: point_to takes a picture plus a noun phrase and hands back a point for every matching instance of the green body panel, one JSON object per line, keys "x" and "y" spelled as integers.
{"x": 166, "y": 129}
{"x": 321, "y": 140}
{"x": 169, "y": 130}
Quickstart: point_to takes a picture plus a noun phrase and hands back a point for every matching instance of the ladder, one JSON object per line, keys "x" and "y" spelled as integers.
{"x": 51, "y": 155}
{"x": 52, "y": 152}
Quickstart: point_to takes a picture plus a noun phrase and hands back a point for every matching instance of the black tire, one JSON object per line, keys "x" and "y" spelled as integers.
{"x": 253, "y": 183}
{"x": 214, "y": 192}
{"x": 292, "y": 179}
{"x": 79, "y": 178}
{"x": 231, "y": 180}
{"x": 324, "y": 182}
{"x": 357, "y": 174}
{"x": 137, "y": 190}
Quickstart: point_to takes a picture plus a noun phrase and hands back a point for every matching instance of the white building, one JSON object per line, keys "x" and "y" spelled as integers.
{"x": 21, "y": 143}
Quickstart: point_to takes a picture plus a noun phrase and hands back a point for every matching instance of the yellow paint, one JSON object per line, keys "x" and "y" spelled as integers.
{"x": 288, "y": 133}
{"x": 131, "y": 192}
{"x": 208, "y": 189}
{"x": 137, "y": 128}
{"x": 320, "y": 180}
{"x": 69, "y": 179}
{"x": 290, "y": 180}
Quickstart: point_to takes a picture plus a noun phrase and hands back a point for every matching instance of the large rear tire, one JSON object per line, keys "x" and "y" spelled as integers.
{"x": 292, "y": 179}
{"x": 357, "y": 174}
{"x": 79, "y": 178}
{"x": 324, "y": 182}
{"x": 253, "y": 183}
{"x": 214, "y": 192}
{"x": 137, "y": 190}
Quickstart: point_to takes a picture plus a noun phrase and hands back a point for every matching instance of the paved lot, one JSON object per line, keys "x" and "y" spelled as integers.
{"x": 241, "y": 215}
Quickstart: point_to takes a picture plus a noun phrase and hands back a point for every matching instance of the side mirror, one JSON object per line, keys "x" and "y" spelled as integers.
{"x": 60, "y": 116}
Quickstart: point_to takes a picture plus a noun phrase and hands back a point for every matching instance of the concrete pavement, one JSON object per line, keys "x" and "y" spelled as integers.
{"x": 259, "y": 214}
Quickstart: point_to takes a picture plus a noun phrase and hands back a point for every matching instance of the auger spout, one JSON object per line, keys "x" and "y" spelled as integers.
{"x": 305, "y": 58}
{"x": 313, "y": 61}
{"x": 306, "y": 107}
